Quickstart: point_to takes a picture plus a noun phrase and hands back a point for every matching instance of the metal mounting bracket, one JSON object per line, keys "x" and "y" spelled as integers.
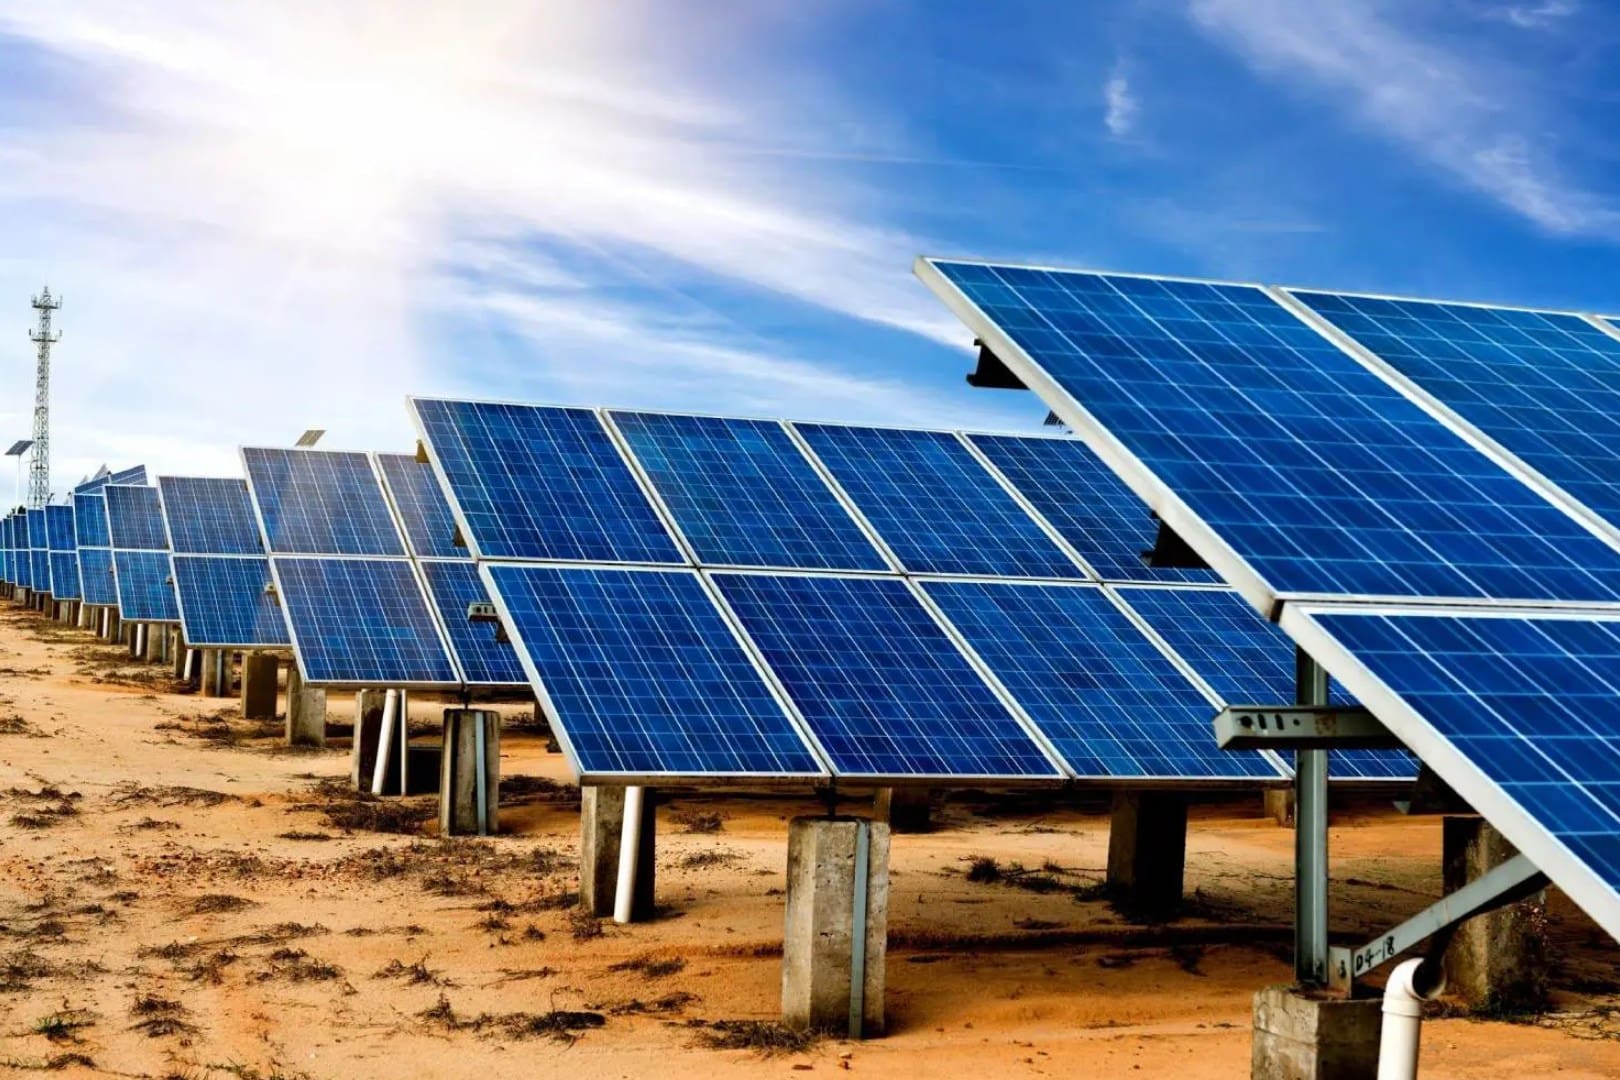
{"x": 1301, "y": 727}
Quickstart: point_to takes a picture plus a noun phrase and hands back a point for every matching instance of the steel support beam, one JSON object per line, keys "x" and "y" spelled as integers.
{"x": 1310, "y": 836}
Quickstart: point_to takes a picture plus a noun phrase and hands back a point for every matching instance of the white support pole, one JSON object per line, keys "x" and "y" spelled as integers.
{"x": 379, "y": 772}
{"x": 629, "y": 847}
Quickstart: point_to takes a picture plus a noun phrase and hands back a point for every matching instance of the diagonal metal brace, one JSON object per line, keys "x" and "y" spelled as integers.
{"x": 1508, "y": 883}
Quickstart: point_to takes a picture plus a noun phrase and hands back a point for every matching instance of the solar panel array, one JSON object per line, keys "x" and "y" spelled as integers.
{"x": 221, "y": 575}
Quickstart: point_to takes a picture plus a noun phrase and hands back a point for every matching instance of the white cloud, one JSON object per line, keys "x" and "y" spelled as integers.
{"x": 254, "y": 210}
{"x": 1538, "y": 15}
{"x": 1471, "y": 120}
{"x": 1120, "y": 105}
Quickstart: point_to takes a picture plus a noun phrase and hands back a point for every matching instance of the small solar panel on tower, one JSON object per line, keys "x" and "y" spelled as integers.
{"x": 743, "y": 494}
{"x": 430, "y": 528}
{"x": 96, "y": 578}
{"x": 320, "y": 502}
{"x": 224, "y": 602}
{"x": 532, "y": 482}
{"x": 360, "y": 621}
{"x": 642, "y": 675}
{"x": 90, "y": 520}
{"x": 878, "y": 682}
{"x": 135, "y": 519}
{"x": 934, "y": 505}
{"x": 145, "y": 588}
{"x": 1109, "y": 700}
{"x": 209, "y": 515}
{"x": 484, "y": 660}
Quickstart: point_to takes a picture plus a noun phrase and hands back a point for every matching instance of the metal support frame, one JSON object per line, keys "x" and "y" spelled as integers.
{"x": 1508, "y": 883}
{"x": 1303, "y": 727}
{"x": 1310, "y": 835}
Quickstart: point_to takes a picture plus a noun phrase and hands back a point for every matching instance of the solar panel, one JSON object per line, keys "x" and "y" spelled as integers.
{"x": 1517, "y": 714}
{"x": 320, "y": 502}
{"x": 642, "y": 675}
{"x": 133, "y": 476}
{"x": 1247, "y": 661}
{"x": 1091, "y": 508}
{"x": 24, "y": 575}
{"x": 209, "y": 515}
{"x": 878, "y": 681}
{"x": 59, "y": 529}
{"x": 934, "y": 505}
{"x": 361, "y": 622}
{"x": 224, "y": 602}
{"x": 1110, "y": 701}
{"x": 145, "y": 590}
{"x": 96, "y": 580}
{"x": 485, "y": 661}
{"x": 64, "y": 575}
{"x": 135, "y": 519}
{"x": 1288, "y": 464}
{"x": 531, "y": 482}
{"x": 5, "y": 549}
{"x": 90, "y": 520}
{"x": 39, "y": 558}
{"x": 743, "y": 494}
{"x": 429, "y": 526}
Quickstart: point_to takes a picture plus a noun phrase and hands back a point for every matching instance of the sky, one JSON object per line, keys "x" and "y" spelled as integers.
{"x": 264, "y": 218}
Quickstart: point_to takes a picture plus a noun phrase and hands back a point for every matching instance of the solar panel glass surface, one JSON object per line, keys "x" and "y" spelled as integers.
{"x": 210, "y": 515}
{"x": 96, "y": 580}
{"x": 145, "y": 591}
{"x": 642, "y": 675}
{"x": 484, "y": 660}
{"x": 320, "y": 502}
{"x": 135, "y": 519}
{"x": 429, "y": 526}
{"x": 361, "y": 621}
{"x": 59, "y": 528}
{"x": 90, "y": 521}
{"x": 224, "y": 604}
{"x": 64, "y": 575}
{"x": 40, "y": 570}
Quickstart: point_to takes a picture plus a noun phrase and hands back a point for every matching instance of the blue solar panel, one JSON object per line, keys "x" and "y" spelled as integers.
{"x": 90, "y": 521}
{"x": 642, "y": 675}
{"x": 879, "y": 683}
{"x": 1518, "y": 715}
{"x": 320, "y": 502}
{"x": 1110, "y": 702}
{"x": 1313, "y": 471}
{"x": 96, "y": 579}
{"x": 64, "y": 575}
{"x": 743, "y": 494}
{"x": 361, "y": 621}
{"x": 1247, "y": 661}
{"x": 1089, "y": 506}
{"x": 5, "y": 549}
{"x": 145, "y": 592}
{"x": 1546, "y": 386}
{"x": 429, "y": 526}
{"x": 134, "y": 475}
{"x": 937, "y": 508}
{"x": 224, "y": 604}
{"x": 39, "y": 573}
{"x": 484, "y": 660}
{"x": 21, "y": 572}
{"x": 541, "y": 483}
{"x": 59, "y": 528}
{"x": 135, "y": 519}
{"x": 209, "y": 515}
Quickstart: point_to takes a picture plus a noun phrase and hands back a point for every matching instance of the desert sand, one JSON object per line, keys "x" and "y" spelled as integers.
{"x": 179, "y": 896}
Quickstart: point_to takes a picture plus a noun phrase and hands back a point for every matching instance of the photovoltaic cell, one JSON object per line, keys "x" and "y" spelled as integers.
{"x": 59, "y": 529}
{"x": 484, "y": 660}
{"x": 937, "y": 508}
{"x": 145, "y": 593}
{"x": 40, "y": 570}
{"x": 320, "y": 502}
{"x": 879, "y": 683}
{"x": 23, "y": 569}
{"x": 743, "y": 494}
{"x": 1247, "y": 661}
{"x": 429, "y": 526}
{"x": 90, "y": 521}
{"x": 1515, "y": 714}
{"x": 96, "y": 579}
{"x": 541, "y": 483}
{"x": 1112, "y": 704}
{"x": 1088, "y": 505}
{"x": 64, "y": 575}
{"x": 135, "y": 519}
{"x": 642, "y": 675}
{"x": 361, "y": 621}
{"x": 223, "y": 602}
{"x": 1311, "y": 469}
{"x": 209, "y": 515}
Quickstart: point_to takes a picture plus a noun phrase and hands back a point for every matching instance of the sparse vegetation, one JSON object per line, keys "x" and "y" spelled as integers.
{"x": 693, "y": 820}
{"x": 653, "y": 967}
{"x": 766, "y": 1038}
{"x": 64, "y": 1026}
{"x": 218, "y": 903}
{"x": 583, "y": 925}
{"x": 158, "y": 1018}
{"x": 417, "y": 974}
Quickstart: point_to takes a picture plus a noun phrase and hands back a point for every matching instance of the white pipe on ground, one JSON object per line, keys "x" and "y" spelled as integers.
{"x": 379, "y": 771}
{"x": 1410, "y": 985}
{"x": 624, "y": 900}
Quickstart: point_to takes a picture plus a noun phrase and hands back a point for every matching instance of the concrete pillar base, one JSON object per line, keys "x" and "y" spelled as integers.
{"x": 1497, "y": 962}
{"x": 817, "y": 966}
{"x": 905, "y": 809}
{"x": 368, "y": 712}
{"x": 306, "y": 711}
{"x": 1147, "y": 850}
{"x": 601, "y": 819}
{"x": 215, "y": 674}
{"x": 1300, "y": 1036}
{"x": 112, "y": 627}
{"x": 152, "y": 646}
{"x": 1278, "y": 805}
{"x": 259, "y": 674}
{"x": 134, "y": 637}
{"x": 177, "y": 654}
{"x": 459, "y": 809}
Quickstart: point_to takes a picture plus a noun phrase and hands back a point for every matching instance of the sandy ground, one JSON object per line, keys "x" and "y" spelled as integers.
{"x": 179, "y": 897}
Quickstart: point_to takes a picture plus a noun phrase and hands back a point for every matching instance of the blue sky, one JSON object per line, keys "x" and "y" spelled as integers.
{"x": 269, "y": 221}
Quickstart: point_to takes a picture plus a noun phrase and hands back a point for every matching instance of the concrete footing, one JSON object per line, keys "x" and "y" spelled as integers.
{"x": 819, "y": 938}
{"x": 1497, "y": 961}
{"x": 1278, "y": 805}
{"x": 153, "y": 642}
{"x": 601, "y": 819}
{"x": 905, "y": 809}
{"x": 368, "y": 714}
{"x": 135, "y": 638}
{"x": 216, "y": 672}
{"x": 306, "y": 711}
{"x": 469, "y": 803}
{"x": 1147, "y": 850}
{"x": 260, "y": 672}
{"x": 1306, "y": 1036}
{"x": 177, "y": 655}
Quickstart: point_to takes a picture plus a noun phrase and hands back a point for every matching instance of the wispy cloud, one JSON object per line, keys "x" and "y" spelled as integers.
{"x": 1121, "y": 107}
{"x": 1538, "y": 15}
{"x": 1471, "y": 119}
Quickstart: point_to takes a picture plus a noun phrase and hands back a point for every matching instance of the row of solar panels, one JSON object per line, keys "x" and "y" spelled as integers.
{"x": 1427, "y": 495}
